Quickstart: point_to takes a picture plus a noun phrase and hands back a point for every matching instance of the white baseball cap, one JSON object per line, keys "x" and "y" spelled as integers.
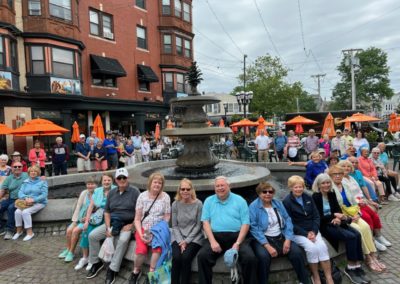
{"x": 121, "y": 172}
{"x": 82, "y": 136}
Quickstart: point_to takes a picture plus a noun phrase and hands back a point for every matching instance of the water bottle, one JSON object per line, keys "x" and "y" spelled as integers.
{"x": 147, "y": 235}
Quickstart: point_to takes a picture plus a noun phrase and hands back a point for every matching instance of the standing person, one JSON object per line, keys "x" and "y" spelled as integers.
{"x": 10, "y": 187}
{"x": 347, "y": 138}
{"x": 137, "y": 144}
{"x": 17, "y": 157}
{"x": 83, "y": 152}
{"x": 129, "y": 153}
{"x": 145, "y": 148}
{"x": 37, "y": 156}
{"x": 292, "y": 146}
{"x": 280, "y": 142}
{"x": 226, "y": 222}
{"x": 360, "y": 142}
{"x": 92, "y": 159}
{"x": 100, "y": 156}
{"x": 153, "y": 210}
{"x": 338, "y": 143}
{"x": 306, "y": 222}
{"x": 272, "y": 229}
{"x": 187, "y": 235}
{"x": 34, "y": 191}
{"x": 112, "y": 155}
{"x": 93, "y": 135}
{"x": 60, "y": 156}
{"x": 262, "y": 145}
{"x": 119, "y": 215}
{"x": 312, "y": 142}
{"x": 120, "y": 150}
{"x": 326, "y": 145}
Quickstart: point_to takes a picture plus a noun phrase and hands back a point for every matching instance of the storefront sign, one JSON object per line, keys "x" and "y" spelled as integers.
{"x": 65, "y": 86}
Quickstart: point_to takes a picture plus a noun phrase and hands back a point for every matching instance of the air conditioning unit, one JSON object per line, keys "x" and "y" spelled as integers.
{"x": 108, "y": 35}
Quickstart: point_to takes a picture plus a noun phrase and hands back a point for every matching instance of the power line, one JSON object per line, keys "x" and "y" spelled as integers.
{"x": 301, "y": 28}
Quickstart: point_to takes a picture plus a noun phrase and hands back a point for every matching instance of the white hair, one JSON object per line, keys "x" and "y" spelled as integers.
{"x": 4, "y": 157}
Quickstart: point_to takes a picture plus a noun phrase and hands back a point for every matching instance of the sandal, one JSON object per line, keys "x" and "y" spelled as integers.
{"x": 380, "y": 264}
{"x": 373, "y": 266}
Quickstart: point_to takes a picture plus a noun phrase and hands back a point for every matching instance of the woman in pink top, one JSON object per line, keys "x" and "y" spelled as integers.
{"x": 292, "y": 145}
{"x": 37, "y": 156}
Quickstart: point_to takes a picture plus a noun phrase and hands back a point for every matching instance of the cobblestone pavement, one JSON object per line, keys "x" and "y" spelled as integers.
{"x": 46, "y": 268}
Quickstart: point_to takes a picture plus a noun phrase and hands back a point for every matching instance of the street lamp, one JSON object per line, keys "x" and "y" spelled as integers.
{"x": 226, "y": 110}
{"x": 244, "y": 98}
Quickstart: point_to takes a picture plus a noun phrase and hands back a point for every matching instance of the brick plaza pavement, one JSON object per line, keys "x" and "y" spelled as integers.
{"x": 45, "y": 267}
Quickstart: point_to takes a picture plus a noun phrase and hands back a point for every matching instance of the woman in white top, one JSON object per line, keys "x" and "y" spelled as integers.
{"x": 360, "y": 141}
{"x": 145, "y": 149}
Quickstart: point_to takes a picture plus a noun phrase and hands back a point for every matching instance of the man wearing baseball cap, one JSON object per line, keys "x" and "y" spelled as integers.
{"x": 83, "y": 153}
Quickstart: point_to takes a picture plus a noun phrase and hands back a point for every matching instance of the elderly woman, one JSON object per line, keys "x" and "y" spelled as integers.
{"x": 335, "y": 227}
{"x": 384, "y": 158}
{"x": 306, "y": 221}
{"x": 272, "y": 230}
{"x": 145, "y": 149}
{"x": 186, "y": 231}
{"x": 100, "y": 156}
{"x": 37, "y": 156}
{"x": 17, "y": 157}
{"x": 34, "y": 192}
{"x": 129, "y": 152}
{"x": 292, "y": 145}
{"x": 152, "y": 207}
{"x": 360, "y": 142}
{"x": 347, "y": 202}
{"x": 5, "y": 170}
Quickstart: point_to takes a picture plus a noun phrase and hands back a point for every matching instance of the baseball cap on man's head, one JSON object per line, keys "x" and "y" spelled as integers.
{"x": 109, "y": 132}
{"x": 338, "y": 131}
{"x": 16, "y": 153}
{"x": 121, "y": 172}
{"x": 82, "y": 136}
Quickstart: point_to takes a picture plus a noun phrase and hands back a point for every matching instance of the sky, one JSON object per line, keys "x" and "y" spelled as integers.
{"x": 308, "y": 36}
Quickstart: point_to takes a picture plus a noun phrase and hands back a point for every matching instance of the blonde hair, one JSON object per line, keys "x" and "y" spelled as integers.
{"x": 34, "y": 168}
{"x": 178, "y": 195}
{"x": 154, "y": 176}
{"x": 293, "y": 180}
{"x": 320, "y": 179}
{"x": 336, "y": 168}
{"x": 315, "y": 153}
{"x": 343, "y": 163}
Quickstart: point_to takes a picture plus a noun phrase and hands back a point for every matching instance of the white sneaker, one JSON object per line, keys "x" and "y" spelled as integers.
{"x": 383, "y": 241}
{"x": 82, "y": 262}
{"x": 397, "y": 194}
{"x": 89, "y": 266}
{"x": 379, "y": 246}
{"x": 392, "y": 198}
{"x": 28, "y": 237}
{"x": 16, "y": 236}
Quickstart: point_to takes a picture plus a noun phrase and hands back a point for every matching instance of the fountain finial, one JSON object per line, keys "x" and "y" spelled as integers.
{"x": 193, "y": 76}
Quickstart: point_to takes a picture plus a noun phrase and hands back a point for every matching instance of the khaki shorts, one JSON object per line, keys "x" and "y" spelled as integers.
{"x": 83, "y": 165}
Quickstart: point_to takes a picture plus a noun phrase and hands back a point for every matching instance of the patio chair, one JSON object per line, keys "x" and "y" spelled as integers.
{"x": 396, "y": 156}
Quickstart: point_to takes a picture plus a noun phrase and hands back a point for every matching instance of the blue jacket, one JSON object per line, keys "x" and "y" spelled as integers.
{"x": 259, "y": 220}
{"x": 34, "y": 188}
{"x": 161, "y": 238}
{"x": 314, "y": 169}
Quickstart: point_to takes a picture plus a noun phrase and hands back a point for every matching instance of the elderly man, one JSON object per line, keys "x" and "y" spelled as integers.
{"x": 311, "y": 143}
{"x": 118, "y": 222}
{"x": 137, "y": 144}
{"x": 112, "y": 153}
{"x": 93, "y": 135}
{"x": 262, "y": 145}
{"x": 280, "y": 142}
{"x": 338, "y": 143}
{"x": 347, "y": 138}
{"x": 83, "y": 153}
{"x": 60, "y": 156}
{"x": 226, "y": 221}
{"x": 10, "y": 187}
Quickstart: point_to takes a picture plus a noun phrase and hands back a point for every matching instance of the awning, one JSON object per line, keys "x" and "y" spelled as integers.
{"x": 145, "y": 73}
{"x": 106, "y": 66}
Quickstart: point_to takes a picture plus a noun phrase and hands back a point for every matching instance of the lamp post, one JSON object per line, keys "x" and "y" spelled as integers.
{"x": 226, "y": 110}
{"x": 244, "y": 98}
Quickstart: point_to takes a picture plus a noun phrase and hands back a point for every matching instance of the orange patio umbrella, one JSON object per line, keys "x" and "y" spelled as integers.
{"x": 244, "y": 122}
{"x": 4, "y": 129}
{"x": 360, "y": 117}
{"x": 75, "y": 133}
{"x": 39, "y": 127}
{"x": 170, "y": 124}
{"x": 98, "y": 127}
{"x": 329, "y": 127}
{"x": 221, "y": 123}
{"x": 157, "y": 132}
{"x": 299, "y": 121}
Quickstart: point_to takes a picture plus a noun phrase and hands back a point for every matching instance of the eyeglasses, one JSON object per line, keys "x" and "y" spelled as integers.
{"x": 17, "y": 167}
{"x": 375, "y": 152}
{"x": 185, "y": 189}
{"x": 268, "y": 191}
{"x": 121, "y": 178}
{"x": 337, "y": 174}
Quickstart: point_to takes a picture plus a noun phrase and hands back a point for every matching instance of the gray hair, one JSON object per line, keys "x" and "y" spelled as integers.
{"x": 59, "y": 139}
{"x": 222, "y": 177}
{"x": 4, "y": 157}
{"x": 320, "y": 179}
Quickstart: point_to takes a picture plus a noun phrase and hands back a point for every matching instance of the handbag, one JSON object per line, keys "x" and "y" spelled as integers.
{"x": 107, "y": 250}
{"x": 122, "y": 159}
{"x": 350, "y": 211}
{"x": 21, "y": 204}
{"x": 336, "y": 274}
{"x": 148, "y": 210}
{"x": 97, "y": 217}
{"x": 162, "y": 275}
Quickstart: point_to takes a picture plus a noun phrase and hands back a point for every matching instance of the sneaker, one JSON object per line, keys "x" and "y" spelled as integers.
{"x": 110, "y": 278}
{"x": 392, "y": 198}
{"x": 69, "y": 257}
{"x": 82, "y": 262}
{"x": 397, "y": 195}
{"x": 134, "y": 278}
{"x": 16, "y": 236}
{"x": 63, "y": 254}
{"x": 380, "y": 246}
{"x": 363, "y": 275}
{"x": 2, "y": 231}
{"x": 353, "y": 276}
{"x": 8, "y": 235}
{"x": 96, "y": 267}
{"x": 28, "y": 237}
{"x": 383, "y": 241}
{"x": 89, "y": 266}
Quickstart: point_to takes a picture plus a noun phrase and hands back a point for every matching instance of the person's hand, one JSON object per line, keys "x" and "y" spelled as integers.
{"x": 311, "y": 236}
{"x": 356, "y": 218}
{"x": 183, "y": 246}
{"x": 215, "y": 247}
{"x": 290, "y": 163}
{"x": 339, "y": 216}
{"x": 236, "y": 246}
{"x": 127, "y": 228}
{"x": 286, "y": 246}
{"x": 85, "y": 226}
{"x": 336, "y": 221}
{"x": 271, "y": 250}
{"x": 108, "y": 233}
{"x": 29, "y": 201}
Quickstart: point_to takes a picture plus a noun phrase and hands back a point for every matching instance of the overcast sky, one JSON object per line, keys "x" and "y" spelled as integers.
{"x": 226, "y": 29}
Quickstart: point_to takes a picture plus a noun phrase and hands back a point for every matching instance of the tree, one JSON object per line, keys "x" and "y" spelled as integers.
{"x": 372, "y": 81}
{"x": 194, "y": 77}
{"x": 272, "y": 95}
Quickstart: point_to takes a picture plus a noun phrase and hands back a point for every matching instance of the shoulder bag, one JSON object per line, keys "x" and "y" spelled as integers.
{"x": 145, "y": 214}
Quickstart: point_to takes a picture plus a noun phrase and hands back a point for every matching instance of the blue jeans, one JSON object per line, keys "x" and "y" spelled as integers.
{"x": 60, "y": 168}
{"x": 8, "y": 205}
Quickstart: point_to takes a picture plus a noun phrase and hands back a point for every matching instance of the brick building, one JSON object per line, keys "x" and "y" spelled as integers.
{"x": 69, "y": 60}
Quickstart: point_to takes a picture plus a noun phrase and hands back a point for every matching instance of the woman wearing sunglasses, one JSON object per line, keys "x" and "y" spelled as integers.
{"x": 186, "y": 231}
{"x": 272, "y": 230}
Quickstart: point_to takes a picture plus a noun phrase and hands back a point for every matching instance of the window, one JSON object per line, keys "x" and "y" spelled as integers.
{"x": 179, "y": 48}
{"x": 63, "y": 62}
{"x": 60, "y": 9}
{"x": 235, "y": 107}
{"x": 2, "y": 61}
{"x": 168, "y": 82}
{"x": 209, "y": 108}
{"x": 186, "y": 12}
{"x": 141, "y": 4}
{"x": 166, "y": 7}
{"x": 144, "y": 86}
{"x": 37, "y": 60}
{"x": 180, "y": 83}
{"x": 230, "y": 107}
{"x": 141, "y": 37}
{"x": 13, "y": 55}
{"x": 167, "y": 44}
{"x": 216, "y": 108}
{"x": 104, "y": 80}
{"x": 10, "y": 3}
{"x": 101, "y": 24}
{"x": 34, "y": 8}
{"x": 188, "y": 52}
{"x": 178, "y": 8}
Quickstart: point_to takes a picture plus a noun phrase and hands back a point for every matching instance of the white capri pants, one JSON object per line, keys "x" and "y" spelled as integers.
{"x": 129, "y": 161}
{"x": 25, "y": 215}
{"x": 315, "y": 251}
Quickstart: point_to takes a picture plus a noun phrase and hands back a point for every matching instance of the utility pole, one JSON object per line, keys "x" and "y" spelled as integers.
{"x": 244, "y": 72}
{"x": 319, "y": 76}
{"x": 353, "y": 61}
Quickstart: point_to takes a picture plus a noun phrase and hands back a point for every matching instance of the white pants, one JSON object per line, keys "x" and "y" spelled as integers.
{"x": 129, "y": 161}
{"x": 315, "y": 251}
{"x": 25, "y": 215}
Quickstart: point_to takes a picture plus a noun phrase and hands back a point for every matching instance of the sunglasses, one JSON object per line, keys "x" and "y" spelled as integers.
{"x": 17, "y": 167}
{"x": 185, "y": 189}
{"x": 268, "y": 191}
{"x": 121, "y": 178}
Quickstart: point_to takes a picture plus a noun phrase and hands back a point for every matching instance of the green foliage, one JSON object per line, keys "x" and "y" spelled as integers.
{"x": 372, "y": 81}
{"x": 194, "y": 76}
{"x": 272, "y": 94}
{"x": 372, "y": 137}
{"x": 388, "y": 137}
{"x": 236, "y": 118}
{"x": 253, "y": 116}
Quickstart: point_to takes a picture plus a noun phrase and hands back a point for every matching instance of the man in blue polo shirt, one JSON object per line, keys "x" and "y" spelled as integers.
{"x": 226, "y": 222}
{"x": 111, "y": 147}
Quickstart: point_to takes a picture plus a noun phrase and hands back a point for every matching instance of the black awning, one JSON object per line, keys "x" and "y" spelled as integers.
{"x": 145, "y": 73}
{"x": 106, "y": 66}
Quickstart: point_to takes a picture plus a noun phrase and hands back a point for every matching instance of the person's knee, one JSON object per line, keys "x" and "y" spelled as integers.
{"x": 26, "y": 213}
{"x": 202, "y": 256}
{"x": 124, "y": 237}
